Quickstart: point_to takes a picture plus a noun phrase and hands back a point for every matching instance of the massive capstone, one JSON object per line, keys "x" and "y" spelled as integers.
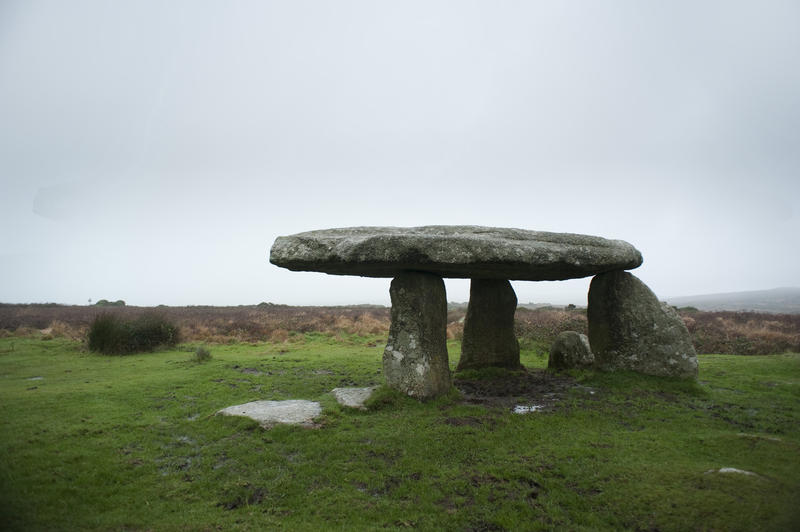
{"x": 461, "y": 251}
{"x": 630, "y": 329}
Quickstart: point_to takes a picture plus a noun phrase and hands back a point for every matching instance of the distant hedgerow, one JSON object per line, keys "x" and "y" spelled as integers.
{"x": 111, "y": 335}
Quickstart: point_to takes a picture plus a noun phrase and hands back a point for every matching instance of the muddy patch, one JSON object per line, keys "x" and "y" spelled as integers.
{"x": 529, "y": 388}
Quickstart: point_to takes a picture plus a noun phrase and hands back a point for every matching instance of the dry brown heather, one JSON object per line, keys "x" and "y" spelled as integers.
{"x": 743, "y": 333}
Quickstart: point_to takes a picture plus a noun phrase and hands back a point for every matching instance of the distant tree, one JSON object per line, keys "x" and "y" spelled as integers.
{"x": 107, "y": 303}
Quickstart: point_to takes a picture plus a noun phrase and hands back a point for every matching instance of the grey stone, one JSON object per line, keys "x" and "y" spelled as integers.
{"x": 527, "y": 409}
{"x": 268, "y": 413}
{"x": 353, "y": 397}
{"x": 570, "y": 350}
{"x": 415, "y": 358}
{"x": 489, "y": 339}
{"x": 728, "y": 470}
{"x": 453, "y": 251}
{"x": 629, "y": 329}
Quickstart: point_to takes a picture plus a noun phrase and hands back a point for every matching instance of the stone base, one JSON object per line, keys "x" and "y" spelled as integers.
{"x": 415, "y": 358}
{"x": 489, "y": 339}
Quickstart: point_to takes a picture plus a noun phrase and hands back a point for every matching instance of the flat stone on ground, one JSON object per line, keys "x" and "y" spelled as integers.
{"x": 728, "y": 470}
{"x": 460, "y": 251}
{"x": 268, "y": 413}
{"x": 353, "y": 397}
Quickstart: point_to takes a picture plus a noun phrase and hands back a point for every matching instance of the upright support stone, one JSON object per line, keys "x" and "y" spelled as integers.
{"x": 415, "y": 358}
{"x": 629, "y": 329}
{"x": 489, "y": 339}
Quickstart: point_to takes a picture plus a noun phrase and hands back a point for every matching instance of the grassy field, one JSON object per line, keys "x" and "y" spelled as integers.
{"x": 90, "y": 442}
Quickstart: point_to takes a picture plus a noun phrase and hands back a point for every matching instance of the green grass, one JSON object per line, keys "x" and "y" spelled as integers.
{"x": 132, "y": 443}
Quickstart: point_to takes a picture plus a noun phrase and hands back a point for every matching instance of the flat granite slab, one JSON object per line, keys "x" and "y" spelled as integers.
{"x": 268, "y": 413}
{"x": 460, "y": 251}
{"x": 353, "y": 397}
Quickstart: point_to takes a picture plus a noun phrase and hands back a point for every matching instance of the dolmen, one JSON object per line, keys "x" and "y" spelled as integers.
{"x": 628, "y": 327}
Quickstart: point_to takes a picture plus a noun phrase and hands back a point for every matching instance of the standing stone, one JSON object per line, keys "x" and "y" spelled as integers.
{"x": 570, "y": 351}
{"x": 629, "y": 329}
{"x": 415, "y": 358}
{"x": 489, "y": 339}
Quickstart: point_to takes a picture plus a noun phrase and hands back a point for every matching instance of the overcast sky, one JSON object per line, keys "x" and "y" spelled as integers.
{"x": 152, "y": 151}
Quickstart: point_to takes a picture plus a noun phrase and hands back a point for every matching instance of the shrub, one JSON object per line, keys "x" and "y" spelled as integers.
{"x": 201, "y": 354}
{"x": 152, "y": 330}
{"x": 108, "y": 334}
{"x": 111, "y": 335}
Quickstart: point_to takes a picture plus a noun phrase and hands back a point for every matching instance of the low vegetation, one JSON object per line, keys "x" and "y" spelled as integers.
{"x": 201, "y": 354}
{"x": 743, "y": 333}
{"x": 740, "y": 333}
{"x": 132, "y": 443}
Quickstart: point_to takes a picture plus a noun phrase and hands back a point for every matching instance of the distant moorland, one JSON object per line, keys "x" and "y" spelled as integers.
{"x": 777, "y": 300}
{"x": 741, "y": 333}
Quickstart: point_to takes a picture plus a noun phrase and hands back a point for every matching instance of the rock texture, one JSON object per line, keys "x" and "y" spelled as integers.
{"x": 570, "y": 351}
{"x": 489, "y": 339}
{"x": 353, "y": 397}
{"x": 268, "y": 413}
{"x": 415, "y": 358}
{"x": 453, "y": 251}
{"x": 629, "y": 329}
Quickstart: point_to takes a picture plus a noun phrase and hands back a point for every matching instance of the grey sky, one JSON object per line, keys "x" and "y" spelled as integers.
{"x": 152, "y": 151}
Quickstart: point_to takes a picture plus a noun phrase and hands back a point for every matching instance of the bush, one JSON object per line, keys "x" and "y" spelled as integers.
{"x": 201, "y": 354}
{"x": 108, "y": 334}
{"x": 152, "y": 330}
{"x": 111, "y": 335}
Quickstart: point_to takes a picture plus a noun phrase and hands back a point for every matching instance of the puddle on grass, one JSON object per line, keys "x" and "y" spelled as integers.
{"x": 527, "y": 409}
{"x": 35, "y": 378}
